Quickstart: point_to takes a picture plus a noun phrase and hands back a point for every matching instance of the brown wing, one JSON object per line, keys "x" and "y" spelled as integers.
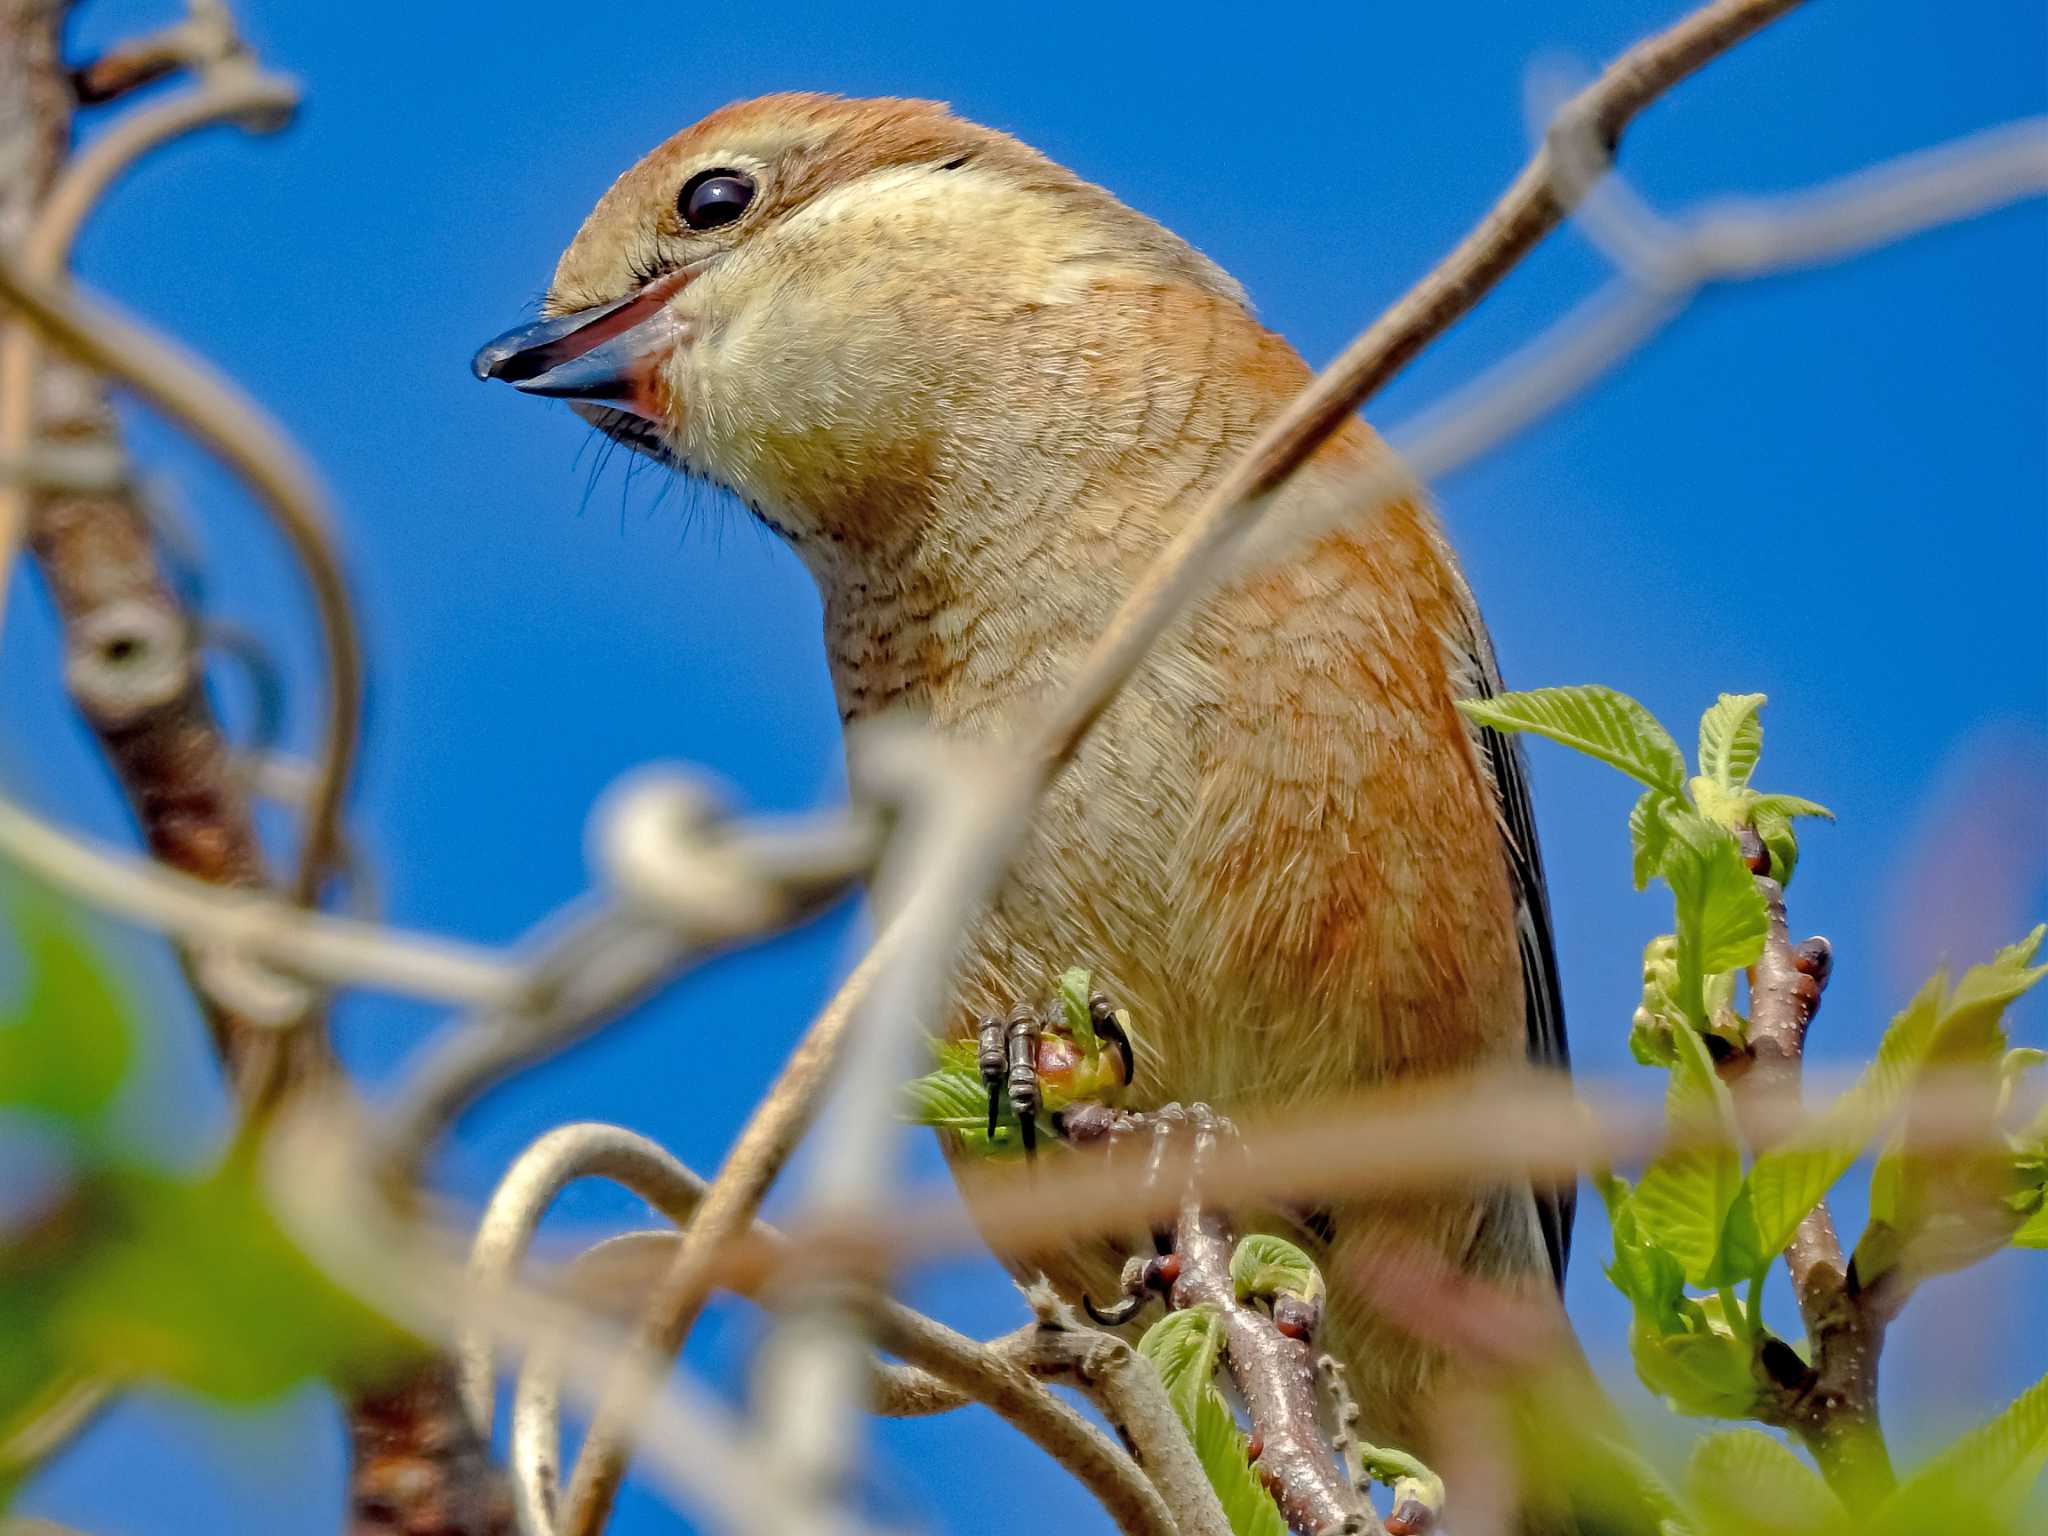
{"x": 1543, "y": 997}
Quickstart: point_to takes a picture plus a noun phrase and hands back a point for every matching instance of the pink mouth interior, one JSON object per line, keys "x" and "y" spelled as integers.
{"x": 624, "y": 318}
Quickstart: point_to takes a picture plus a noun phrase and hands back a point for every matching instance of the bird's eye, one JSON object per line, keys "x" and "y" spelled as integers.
{"x": 712, "y": 198}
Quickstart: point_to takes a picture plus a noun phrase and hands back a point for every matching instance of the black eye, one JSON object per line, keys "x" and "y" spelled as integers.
{"x": 712, "y": 198}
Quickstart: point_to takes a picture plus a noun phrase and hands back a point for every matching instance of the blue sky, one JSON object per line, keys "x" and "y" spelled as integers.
{"x": 1828, "y": 487}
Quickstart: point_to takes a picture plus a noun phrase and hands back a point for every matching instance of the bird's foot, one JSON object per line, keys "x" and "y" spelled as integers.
{"x": 1099, "y": 1124}
{"x": 1033, "y": 1055}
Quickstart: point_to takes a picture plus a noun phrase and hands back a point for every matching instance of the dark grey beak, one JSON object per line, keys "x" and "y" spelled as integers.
{"x": 608, "y": 354}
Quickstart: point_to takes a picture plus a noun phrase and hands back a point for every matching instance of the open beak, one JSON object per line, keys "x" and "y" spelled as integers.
{"x": 608, "y": 354}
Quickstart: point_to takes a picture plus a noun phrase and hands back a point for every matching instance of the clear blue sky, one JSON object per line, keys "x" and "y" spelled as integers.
{"x": 1828, "y": 487}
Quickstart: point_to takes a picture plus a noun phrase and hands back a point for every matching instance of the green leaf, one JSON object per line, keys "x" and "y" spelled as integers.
{"x": 1682, "y": 1203}
{"x": 1649, "y": 1035}
{"x": 1988, "y": 1469}
{"x": 1597, "y": 721}
{"x": 1185, "y": 1347}
{"x": 1648, "y": 1276}
{"x": 1742, "y": 1482}
{"x": 66, "y": 1045}
{"x": 1074, "y": 991}
{"x": 1706, "y": 1373}
{"x": 1649, "y": 834}
{"x": 1721, "y": 920}
{"x": 183, "y": 1280}
{"x": 1266, "y": 1267}
{"x": 1936, "y": 1208}
{"x": 1790, "y": 805}
{"x": 1407, "y": 1477}
{"x": 1225, "y": 1456}
{"x": 953, "y": 1098}
{"x": 1774, "y": 829}
{"x": 1731, "y": 739}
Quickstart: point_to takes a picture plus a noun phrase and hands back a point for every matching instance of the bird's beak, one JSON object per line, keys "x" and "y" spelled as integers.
{"x": 607, "y": 354}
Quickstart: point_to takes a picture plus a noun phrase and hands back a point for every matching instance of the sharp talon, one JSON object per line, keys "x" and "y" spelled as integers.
{"x": 1116, "y": 1316}
{"x": 993, "y": 1060}
{"x": 1111, "y": 1028}
{"x": 1021, "y": 1042}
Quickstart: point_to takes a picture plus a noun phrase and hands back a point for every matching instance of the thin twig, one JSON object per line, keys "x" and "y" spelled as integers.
{"x": 319, "y": 1179}
{"x": 1008, "y": 1386}
{"x": 1526, "y": 212}
{"x": 241, "y": 94}
{"x": 1128, "y": 1391}
{"x": 321, "y": 948}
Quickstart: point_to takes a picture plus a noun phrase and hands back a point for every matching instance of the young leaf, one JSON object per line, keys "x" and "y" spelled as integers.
{"x": 1682, "y": 1203}
{"x": 1791, "y": 805}
{"x": 1184, "y": 1348}
{"x": 1271, "y": 1266}
{"x": 66, "y": 1045}
{"x": 1717, "y": 894}
{"x": 1988, "y": 1469}
{"x": 1648, "y": 1276}
{"x": 1731, "y": 739}
{"x": 1708, "y": 1374}
{"x": 1596, "y": 721}
{"x": 1074, "y": 991}
{"x": 1742, "y": 1482}
{"x": 1649, "y": 834}
{"x": 1936, "y": 1208}
{"x": 180, "y": 1279}
{"x": 1225, "y": 1456}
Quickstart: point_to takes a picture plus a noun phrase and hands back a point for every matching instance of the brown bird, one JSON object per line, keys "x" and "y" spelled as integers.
{"x": 976, "y": 394}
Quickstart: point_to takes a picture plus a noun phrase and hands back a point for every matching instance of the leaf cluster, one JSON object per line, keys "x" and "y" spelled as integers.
{"x": 128, "y": 1272}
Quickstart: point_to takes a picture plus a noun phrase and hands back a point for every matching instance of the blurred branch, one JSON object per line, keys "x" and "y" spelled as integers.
{"x": 999, "y": 1375}
{"x": 249, "y": 924}
{"x": 131, "y": 658}
{"x": 236, "y": 430}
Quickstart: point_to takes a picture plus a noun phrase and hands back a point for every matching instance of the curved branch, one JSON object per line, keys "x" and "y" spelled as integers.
{"x": 985, "y": 1373}
{"x": 242, "y": 435}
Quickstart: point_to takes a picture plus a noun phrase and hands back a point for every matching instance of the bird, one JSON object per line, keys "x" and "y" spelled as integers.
{"x": 976, "y": 394}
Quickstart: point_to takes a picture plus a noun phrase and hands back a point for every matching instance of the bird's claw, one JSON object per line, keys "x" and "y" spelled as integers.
{"x": 1009, "y": 1057}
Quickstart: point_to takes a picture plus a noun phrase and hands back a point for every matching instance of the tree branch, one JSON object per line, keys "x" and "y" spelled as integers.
{"x": 1830, "y": 1404}
{"x": 1275, "y": 1374}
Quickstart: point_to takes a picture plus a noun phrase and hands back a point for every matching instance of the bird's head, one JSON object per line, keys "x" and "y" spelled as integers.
{"x": 829, "y": 306}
